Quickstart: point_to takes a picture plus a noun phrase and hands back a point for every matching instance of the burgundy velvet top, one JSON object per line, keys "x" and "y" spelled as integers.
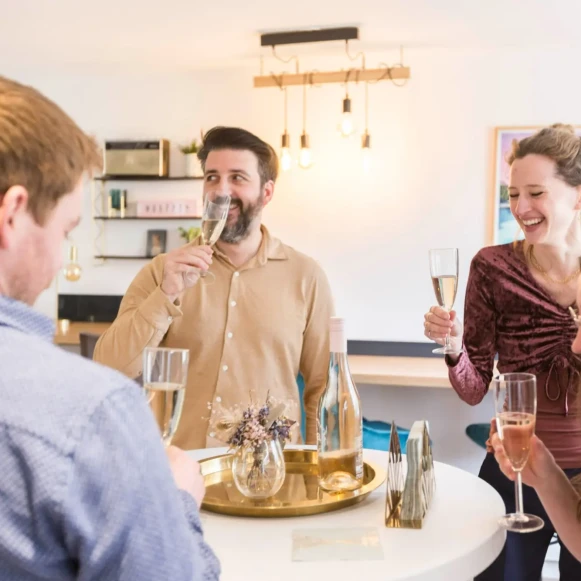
{"x": 509, "y": 313}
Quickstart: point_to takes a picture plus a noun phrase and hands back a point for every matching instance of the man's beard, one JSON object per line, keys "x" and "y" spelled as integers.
{"x": 239, "y": 230}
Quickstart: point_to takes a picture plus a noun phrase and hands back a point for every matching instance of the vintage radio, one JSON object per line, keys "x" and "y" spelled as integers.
{"x": 137, "y": 158}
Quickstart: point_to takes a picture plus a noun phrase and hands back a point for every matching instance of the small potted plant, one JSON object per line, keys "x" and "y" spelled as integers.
{"x": 189, "y": 234}
{"x": 193, "y": 164}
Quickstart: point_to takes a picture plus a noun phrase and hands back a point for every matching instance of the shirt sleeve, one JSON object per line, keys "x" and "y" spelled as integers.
{"x": 471, "y": 375}
{"x": 144, "y": 317}
{"x": 315, "y": 352}
{"x": 124, "y": 518}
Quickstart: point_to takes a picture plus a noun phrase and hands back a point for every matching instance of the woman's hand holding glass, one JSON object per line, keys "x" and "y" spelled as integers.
{"x": 439, "y": 324}
{"x": 515, "y": 401}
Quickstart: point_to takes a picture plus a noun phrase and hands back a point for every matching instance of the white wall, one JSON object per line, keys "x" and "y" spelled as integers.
{"x": 429, "y": 185}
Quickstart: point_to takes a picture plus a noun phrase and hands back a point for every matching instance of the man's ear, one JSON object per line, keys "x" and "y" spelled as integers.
{"x": 268, "y": 191}
{"x": 578, "y": 204}
{"x": 12, "y": 204}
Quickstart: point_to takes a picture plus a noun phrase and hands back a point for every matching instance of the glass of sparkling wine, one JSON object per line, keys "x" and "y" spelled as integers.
{"x": 214, "y": 219}
{"x": 444, "y": 272}
{"x": 165, "y": 372}
{"x": 515, "y": 399}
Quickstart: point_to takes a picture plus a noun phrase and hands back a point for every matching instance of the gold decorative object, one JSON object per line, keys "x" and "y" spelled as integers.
{"x": 300, "y": 494}
{"x": 407, "y": 502}
{"x": 72, "y": 271}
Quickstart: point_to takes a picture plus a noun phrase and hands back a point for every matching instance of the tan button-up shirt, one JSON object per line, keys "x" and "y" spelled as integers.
{"x": 249, "y": 333}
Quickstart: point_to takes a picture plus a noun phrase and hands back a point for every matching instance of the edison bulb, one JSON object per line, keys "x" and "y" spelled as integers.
{"x": 305, "y": 155}
{"x": 72, "y": 272}
{"x": 285, "y": 159}
{"x": 346, "y": 126}
{"x": 305, "y": 158}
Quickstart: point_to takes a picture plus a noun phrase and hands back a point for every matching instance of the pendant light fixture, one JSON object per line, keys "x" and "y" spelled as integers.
{"x": 72, "y": 270}
{"x": 285, "y": 154}
{"x": 305, "y": 155}
{"x": 366, "y": 137}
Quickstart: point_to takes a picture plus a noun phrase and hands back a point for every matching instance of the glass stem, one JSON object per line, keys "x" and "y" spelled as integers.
{"x": 518, "y": 493}
{"x": 447, "y": 340}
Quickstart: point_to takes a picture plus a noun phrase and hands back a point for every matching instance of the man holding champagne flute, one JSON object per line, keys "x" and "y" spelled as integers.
{"x": 257, "y": 319}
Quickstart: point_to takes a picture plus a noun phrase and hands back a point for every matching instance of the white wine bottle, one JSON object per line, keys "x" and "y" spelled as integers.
{"x": 339, "y": 421}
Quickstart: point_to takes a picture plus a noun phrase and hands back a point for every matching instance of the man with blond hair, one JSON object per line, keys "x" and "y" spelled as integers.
{"x": 87, "y": 490}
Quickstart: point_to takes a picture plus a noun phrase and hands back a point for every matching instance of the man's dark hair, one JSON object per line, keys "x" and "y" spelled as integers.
{"x": 235, "y": 138}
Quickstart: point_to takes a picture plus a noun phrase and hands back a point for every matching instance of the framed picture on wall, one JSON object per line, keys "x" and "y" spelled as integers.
{"x": 156, "y": 241}
{"x": 505, "y": 227}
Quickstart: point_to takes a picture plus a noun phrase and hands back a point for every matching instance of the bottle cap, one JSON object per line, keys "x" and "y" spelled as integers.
{"x": 338, "y": 341}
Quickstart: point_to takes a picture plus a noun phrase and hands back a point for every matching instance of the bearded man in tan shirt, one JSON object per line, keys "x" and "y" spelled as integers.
{"x": 264, "y": 319}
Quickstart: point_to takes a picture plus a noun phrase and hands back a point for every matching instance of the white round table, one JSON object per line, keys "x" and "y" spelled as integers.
{"x": 460, "y": 537}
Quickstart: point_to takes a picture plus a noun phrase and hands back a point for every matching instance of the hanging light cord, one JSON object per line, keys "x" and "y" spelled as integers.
{"x": 285, "y": 109}
{"x": 286, "y": 61}
{"x": 305, "y": 107}
{"x": 366, "y": 107}
{"x": 360, "y": 55}
{"x": 387, "y": 74}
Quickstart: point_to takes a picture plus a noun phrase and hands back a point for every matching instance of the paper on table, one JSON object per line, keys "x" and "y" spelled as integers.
{"x": 348, "y": 544}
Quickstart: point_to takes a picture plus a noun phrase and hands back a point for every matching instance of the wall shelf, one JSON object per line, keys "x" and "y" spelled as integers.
{"x": 111, "y": 178}
{"x": 100, "y": 210}
{"x": 148, "y": 218}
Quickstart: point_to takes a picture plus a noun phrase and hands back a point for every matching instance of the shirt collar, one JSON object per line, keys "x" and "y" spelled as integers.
{"x": 21, "y": 317}
{"x": 270, "y": 249}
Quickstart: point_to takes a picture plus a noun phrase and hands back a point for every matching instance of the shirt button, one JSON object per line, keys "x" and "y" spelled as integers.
{"x": 225, "y": 367}
{"x": 230, "y": 335}
{"x": 218, "y": 399}
{"x": 233, "y": 303}
{"x": 237, "y": 274}
{"x": 170, "y": 319}
{"x": 212, "y": 434}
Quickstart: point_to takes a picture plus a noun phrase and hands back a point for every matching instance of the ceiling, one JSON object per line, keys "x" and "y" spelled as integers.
{"x": 186, "y": 34}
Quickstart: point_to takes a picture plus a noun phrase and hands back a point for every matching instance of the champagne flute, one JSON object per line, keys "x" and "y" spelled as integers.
{"x": 515, "y": 399}
{"x": 214, "y": 217}
{"x": 165, "y": 373}
{"x": 444, "y": 272}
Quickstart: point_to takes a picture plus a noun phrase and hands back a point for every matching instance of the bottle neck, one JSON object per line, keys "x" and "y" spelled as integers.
{"x": 338, "y": 343}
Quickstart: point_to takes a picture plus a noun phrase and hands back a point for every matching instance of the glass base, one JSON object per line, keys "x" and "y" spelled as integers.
{"x": 447, "y": 351}
{"x": 521, "y": 523}
{"x": 207, "y": 277}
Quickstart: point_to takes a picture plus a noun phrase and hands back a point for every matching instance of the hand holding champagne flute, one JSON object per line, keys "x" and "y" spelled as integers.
{"x": 214, "y": 217}
{"x": 515, "y": 398}
{"x": 444, "y": 273}
{"x": 165, "y": 373}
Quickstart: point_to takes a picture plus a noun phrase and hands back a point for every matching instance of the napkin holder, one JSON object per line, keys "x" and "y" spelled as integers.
{"x": 408, "y": 499}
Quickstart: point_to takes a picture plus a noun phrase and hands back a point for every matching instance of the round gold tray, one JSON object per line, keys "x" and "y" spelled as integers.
{"x": 300, "y": 494}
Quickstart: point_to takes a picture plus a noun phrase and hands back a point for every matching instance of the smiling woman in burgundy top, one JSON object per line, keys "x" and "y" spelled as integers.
{"x": 516, "y": 306}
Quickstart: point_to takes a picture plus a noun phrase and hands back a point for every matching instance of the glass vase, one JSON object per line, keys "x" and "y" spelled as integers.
{"x": 259, "y": 471}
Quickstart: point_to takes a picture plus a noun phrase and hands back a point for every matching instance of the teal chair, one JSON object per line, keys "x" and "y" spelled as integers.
{"x": 376, "y": 434}
{"x": 478, "y": 433}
